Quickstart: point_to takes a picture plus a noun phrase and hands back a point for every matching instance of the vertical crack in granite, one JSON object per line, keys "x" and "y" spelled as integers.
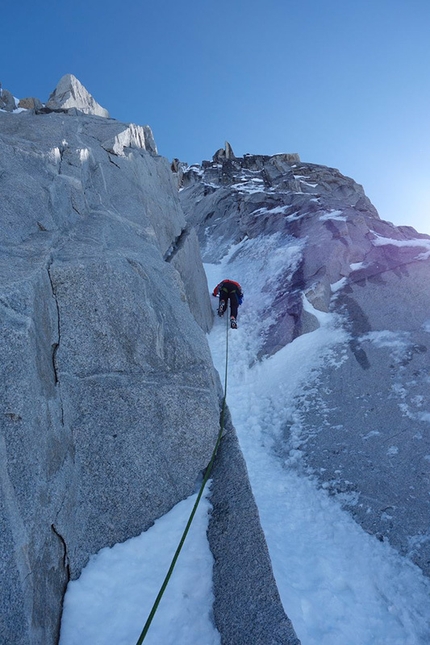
{"x": 66, "y": 563}
{"x": 176, "y": 245}
{"x": 56, "y": 345}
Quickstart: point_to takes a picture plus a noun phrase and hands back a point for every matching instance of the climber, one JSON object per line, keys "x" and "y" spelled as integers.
{"x": 229, "y": 289}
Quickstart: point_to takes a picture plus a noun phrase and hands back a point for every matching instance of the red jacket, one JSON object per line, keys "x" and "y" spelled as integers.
{"x": 236, "y": 284}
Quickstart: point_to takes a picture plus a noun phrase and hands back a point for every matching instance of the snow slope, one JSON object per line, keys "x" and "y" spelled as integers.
{"x": 112, "y": 599}
{"x": 337, "y": 583}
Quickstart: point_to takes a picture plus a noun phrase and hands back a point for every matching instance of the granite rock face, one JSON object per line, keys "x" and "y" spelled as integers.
{"x": 110, "y": 404}
{"x": 247, "y": 606}
{"x": 317, "y": 245}
{"x": 185, "y": 257}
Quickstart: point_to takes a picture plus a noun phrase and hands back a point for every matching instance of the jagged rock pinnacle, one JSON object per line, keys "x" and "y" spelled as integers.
{"x": 70, "y": 93}
{"x": 224, "y": 153}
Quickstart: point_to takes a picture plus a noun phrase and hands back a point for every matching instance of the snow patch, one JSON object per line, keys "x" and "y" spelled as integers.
{"x": 248, "y": 188}
{"x": 54, "y": 155}
{"x": 418, "y": 243}
{"x": 336, "y": 215}
{"x": 372, "y": 433}
{"x": 277, "y": 210}
{"x": 337, "y": 286}
{"x": 113, "y": 597}
{"x": 386, "y": 338}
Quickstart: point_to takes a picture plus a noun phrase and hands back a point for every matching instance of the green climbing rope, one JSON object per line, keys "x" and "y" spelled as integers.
{"x": 193, "y": 512}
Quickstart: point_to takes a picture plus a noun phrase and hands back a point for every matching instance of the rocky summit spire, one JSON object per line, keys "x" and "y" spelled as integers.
{"x": 223, "y": 154}
{"x": 70, "y": 93}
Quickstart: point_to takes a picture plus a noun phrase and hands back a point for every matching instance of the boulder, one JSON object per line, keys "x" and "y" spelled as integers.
{"x": 7, "y": 101}
{"x": 30, "y": 103}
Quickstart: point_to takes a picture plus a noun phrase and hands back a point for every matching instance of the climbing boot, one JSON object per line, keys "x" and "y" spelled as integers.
{"x": 221, "y": 308}
{"x": 233, "y": 323}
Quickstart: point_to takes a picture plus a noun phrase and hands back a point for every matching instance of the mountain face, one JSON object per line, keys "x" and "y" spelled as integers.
{"x": 109, "y": 401}
{"x": 318, "y": 247}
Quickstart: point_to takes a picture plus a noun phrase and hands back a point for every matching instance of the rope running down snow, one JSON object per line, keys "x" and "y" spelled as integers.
{"x": 193, "y": 512}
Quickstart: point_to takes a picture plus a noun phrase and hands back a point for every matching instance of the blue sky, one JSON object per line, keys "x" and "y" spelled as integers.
{"x": 344, "y": 83}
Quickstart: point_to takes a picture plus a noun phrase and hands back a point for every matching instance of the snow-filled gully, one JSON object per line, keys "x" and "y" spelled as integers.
{"x": 338, "y": 585}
